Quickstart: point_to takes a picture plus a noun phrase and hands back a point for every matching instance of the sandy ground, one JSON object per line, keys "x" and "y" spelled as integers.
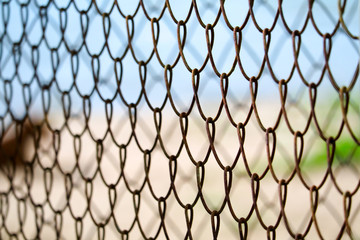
{"x": 329, "y": 214}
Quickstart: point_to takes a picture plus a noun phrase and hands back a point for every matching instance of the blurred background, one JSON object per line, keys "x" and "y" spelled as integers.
{"x": 179, "y": 120}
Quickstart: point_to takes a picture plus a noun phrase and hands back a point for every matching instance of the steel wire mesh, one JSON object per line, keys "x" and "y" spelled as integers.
{"x": 179, "y": 120}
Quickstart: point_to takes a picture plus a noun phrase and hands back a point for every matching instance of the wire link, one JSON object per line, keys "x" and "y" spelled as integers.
{"x": 101, "y": 140}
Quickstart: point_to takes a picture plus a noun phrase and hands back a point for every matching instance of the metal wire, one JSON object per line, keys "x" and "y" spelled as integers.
{"x": 167, "y": 120}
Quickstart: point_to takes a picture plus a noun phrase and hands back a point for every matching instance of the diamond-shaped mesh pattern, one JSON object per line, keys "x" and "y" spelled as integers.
{"x": 160, "y": 119}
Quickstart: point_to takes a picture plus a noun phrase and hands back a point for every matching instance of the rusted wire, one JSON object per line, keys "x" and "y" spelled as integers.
{"x": 100, "y": 138}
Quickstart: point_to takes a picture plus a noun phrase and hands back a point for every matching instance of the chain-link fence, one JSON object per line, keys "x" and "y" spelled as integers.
{"x": 162, "y": 119}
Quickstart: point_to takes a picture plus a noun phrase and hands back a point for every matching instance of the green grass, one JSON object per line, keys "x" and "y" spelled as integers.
{"x": 346, "y": 152}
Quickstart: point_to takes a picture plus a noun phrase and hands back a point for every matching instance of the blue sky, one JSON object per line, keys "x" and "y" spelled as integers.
{"x": 344, "y": 56}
